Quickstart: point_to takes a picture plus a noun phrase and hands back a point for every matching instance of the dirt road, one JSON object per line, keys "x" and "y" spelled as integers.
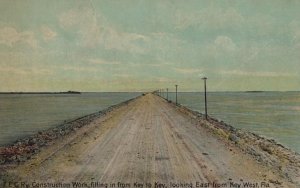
{"x": 147, "y": 141}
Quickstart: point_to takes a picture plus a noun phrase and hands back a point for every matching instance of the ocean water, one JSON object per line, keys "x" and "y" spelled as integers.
{"x": 274, "y": 115}
{"x": 25, "y": 114}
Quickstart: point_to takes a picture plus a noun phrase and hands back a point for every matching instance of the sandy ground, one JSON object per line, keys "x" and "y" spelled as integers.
{"x": 147, "y": 141}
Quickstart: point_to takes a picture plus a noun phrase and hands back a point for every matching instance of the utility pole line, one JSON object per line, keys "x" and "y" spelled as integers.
{"x": 167, "y": 94}
{"x": 205, "y": 97}
{"x": 176, "y": 93}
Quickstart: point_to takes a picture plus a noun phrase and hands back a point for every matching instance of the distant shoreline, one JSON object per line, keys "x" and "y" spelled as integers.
{"x": 63, "y": 92}
{"x": 77, "y": 92}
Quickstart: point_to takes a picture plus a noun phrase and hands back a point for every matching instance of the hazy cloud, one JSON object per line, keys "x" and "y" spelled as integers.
{"x": 295, "y": 32}
{"x": 224, "y": 43}
{"x": 80, "y": 68}
{"x": 102, "y": 62}
{"x": 48, "y": 33}
{"x": 25, "y": 71}
{"x": 113, "y": 39}
{"x": 94, "y": 31}
{"x": 211, "y": 17}
{"x": 255, "y": 74}
{"x": 188, "y": 70}
{"x": 123, "y": 75}
{"x": 9, "y": 36}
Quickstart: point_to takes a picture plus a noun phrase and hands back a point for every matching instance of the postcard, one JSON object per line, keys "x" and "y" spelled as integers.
{"x": 149, "y": 93}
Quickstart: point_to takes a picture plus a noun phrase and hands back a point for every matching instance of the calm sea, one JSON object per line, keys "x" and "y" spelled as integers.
{"x": 25, "y": 114}
{"x": 273, "y": 115}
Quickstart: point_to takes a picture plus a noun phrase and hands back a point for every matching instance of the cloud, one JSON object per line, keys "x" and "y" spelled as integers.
{"x": 25, "y": 71}
{"x": 294, "y": 27}
{"x": 83, "y": 22}
{"x": 188, "y": 70}
{"x": 263, "y": 26}
{"x": 9, "y": 36}
{"x": 163, "y": 79}
{"x": 123, "y": 75}
{"x": 224, "y": 43}
{"x": 48, "y": 33}
{"x": 256, "y": 74}
{"x": 158, "y": 63}
{"x": 80, "y": 68}
{"x": 103, "y": 62}
{"x": 94, "y": 31}
{"x": 165, "y": 42}
{"x": 113, "y": 39}
{"x": 221, "y": 47}
{"x": 210, "y": 17}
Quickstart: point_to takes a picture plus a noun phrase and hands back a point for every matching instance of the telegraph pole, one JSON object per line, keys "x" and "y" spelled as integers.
{"x": 176, "y": 93}
{"x": 205, "y": 97}
{"x": 167, "y": 94}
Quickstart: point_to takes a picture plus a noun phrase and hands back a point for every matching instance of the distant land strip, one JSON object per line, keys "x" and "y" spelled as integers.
{"x": 63, "y": 92}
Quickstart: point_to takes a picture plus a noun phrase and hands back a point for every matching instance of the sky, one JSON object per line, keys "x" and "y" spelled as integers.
{"x": 143, "y": 45}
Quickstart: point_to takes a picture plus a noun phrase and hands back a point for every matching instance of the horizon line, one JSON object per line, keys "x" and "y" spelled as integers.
{"x": 140, "y": 91}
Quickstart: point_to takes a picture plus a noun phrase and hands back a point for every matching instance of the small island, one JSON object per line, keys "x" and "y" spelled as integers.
{"x": 254, "y": 91}
{"x": 63, "y": 92}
